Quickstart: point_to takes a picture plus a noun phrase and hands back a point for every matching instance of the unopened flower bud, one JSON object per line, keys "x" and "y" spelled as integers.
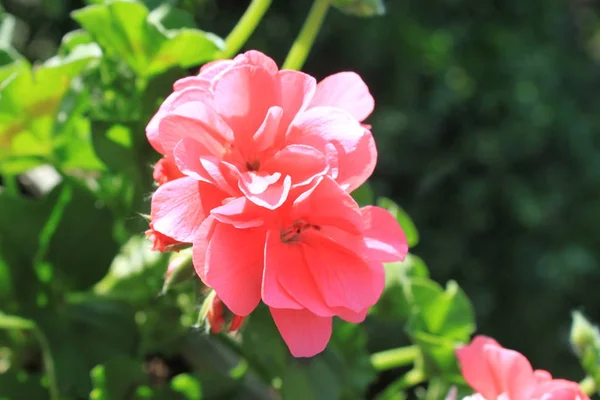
{"x": 583, "y": 333}
{"x": 218, "y": 316}
{"x": 180, "y": 269}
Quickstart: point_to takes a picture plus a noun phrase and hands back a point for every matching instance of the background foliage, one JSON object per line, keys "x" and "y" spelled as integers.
{"x": 486, "y": 124}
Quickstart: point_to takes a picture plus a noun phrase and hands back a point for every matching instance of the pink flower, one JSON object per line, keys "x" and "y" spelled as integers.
{"x": 268, "y": 159}
{"x": 316, "y": 257}
{"x": 161, "y": 242}
{"x": 497, "y": 373}
{"x": 258, "y": 132}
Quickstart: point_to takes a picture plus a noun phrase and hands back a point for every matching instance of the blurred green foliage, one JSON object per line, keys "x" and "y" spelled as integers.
{"x": 486, "y": 127}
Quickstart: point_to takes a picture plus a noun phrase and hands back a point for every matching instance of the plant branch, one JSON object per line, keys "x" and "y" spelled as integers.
{"x": 304, "y": 42}
{"x": 394, "y": 358}
{"x": 245, "y": 27}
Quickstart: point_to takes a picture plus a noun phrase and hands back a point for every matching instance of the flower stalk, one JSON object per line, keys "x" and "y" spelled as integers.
{"x": 304, "y": 42}
{"x": 394, "y": 358}
{"x": 245, "y": 27}
{"x": 588, "y": 386}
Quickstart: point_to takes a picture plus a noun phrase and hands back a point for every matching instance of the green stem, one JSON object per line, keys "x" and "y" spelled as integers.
{"x": 48, "y": 364}
{"x": 412, "y": 378}
{"x": 301, "y": 47}
{"x": 588, "y": 386}
{"x": 394, "y": 358}
{"x": 11, "y": 184}
{"x": 245, "y": 27}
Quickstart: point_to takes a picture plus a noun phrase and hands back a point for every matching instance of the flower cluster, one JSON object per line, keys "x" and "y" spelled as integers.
{"x": 497, "y": 373}
{"x": 257, "y": 170}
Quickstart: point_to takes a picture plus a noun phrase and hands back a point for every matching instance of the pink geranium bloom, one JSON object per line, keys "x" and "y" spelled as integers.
{"x": 497, "y": 373}
{"x": 269, "y": 158}
{"x": 318, "y": 256}
{"x": 256, "y": 131}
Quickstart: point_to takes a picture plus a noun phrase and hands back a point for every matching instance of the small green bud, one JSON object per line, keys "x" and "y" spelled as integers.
{"x": 583, "y": 333}
{"x": 180, "y": 269}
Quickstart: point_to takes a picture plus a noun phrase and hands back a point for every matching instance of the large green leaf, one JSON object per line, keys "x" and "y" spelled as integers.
{"x": 310, "y": 380}
{"x": 117, "y": 379}
{"x": 125, "y": 29}
{"x": 20, "y": 385}
{"x": 29, "y": 105}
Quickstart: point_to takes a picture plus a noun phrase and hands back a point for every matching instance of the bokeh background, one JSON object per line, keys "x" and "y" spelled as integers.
{"x": 487, "y": 123}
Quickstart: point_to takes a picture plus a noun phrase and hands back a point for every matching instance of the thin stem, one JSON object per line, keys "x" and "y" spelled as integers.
{"x": 394, "y": 358}
{"x": 301, "y": 47}
{"x": 11, "y": 184}
{"x": 412, "y": 378}
{"x": 588, "y": 386}
{"x": 48, "y": 364}
{"x": 245, "y": 27}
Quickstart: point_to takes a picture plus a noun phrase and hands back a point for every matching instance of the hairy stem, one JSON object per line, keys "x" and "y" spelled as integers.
{"x": 394, "y": 358}
{"x": 245, "y": 27}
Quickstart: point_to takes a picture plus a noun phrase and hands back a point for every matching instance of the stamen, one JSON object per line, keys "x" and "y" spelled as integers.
{"x": 292, "y": 234}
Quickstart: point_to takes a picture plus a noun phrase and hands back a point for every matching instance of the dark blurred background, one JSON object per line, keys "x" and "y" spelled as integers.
{"x": 487, "y": 124}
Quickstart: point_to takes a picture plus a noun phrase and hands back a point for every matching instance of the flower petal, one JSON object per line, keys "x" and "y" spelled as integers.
{"x": 384, "y": 237}
{"x": 179, "y": 207}
{"x": 302, "y": 163}
{"x": 267, "y": 134}
{"x": 286, "y": 265}
{"x": 344, "y": 279}
{"x": 347, "y": 91}
{"x": 234, "y": 269}
{"x": 355, "y": 146}
{"x": 200, "y": 244}
{"x": 297, "y": 89}
{"x": 242, "y": 96}
{"x": 326, "y": 204}
{"x": 241, "y": 213}
{"x": 266, "y": 190}
{"x": 305, "y": 333}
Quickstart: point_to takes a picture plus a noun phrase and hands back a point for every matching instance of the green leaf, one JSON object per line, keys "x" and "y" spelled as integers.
{"x": 310, "y": 380}
{"x": 127, "y": 29}
{"x": 361, "y": 8}
{"x": 29, "y": 104}
{"x": 364, "y": 195}
{"x": 73, "y": 39}
{"x": 585, "y": 340}
{"x": 410, "y": 230}
{"x": 446, "y": 313}
{"x": 82, "y": 253}
{"x": 11, "y": 62}
{"x": 107, "y": 324}
{"x": 188, "y": 386}
{"x": 14, "y": 322}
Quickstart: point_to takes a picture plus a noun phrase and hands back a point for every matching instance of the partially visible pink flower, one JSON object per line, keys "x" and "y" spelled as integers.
{"x": 318, "y": 256}
{"x": 496, "y": 373}
{"x": 165, "y": 170}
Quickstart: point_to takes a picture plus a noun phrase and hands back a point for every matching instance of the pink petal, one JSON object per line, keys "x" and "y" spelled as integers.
{"x": 347, "y": 91}
{"x": 355, "y": 146}
{"x": 241, "y": 213}
{"x": 191, "y": 81}
{"x": 327, "y": 204}
{"x": 194, "y": 160}
{"x": 255, "y": 58}
{"x": 242, "y": 96}
{"x": 352, "y": 316}
{"x": 302, "y": 163}
{"x": 263, "y": 189}
{"x": 297, "y": 89}
{"x": 512, "y": 371}
{"x": 211, "y": 69}
{"x": 200, "y": 244}
{"x": 267, "y": 134}
{"x": 198, "y": 121}
{"x": 285, "y": 264}
{"x": 344, "y": 279}
{"x": 175, "y": 99}
{"x": 179, "y": 207}
{"x": 384, "y": 237}
{"x": 305, "y": 333}
{"x": 234, "y": 266}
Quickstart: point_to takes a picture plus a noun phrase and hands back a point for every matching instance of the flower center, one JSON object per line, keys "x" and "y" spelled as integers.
{"x": 253, "y": 165}
{"x": 292, "y": 233}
